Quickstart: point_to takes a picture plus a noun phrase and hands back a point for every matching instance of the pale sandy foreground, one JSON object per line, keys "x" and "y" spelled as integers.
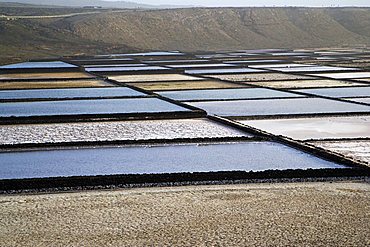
{"x": 295, "y": 214}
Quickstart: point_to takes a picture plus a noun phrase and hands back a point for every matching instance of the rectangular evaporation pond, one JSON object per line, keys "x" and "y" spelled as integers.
{"x": 102, "y": 61}
{"x": 222, "y": 71}
{"x": 364, "y": 80}
{"x": 115, "y": 65}
{"x": 205, "y": 65}
{"x": 253, "y": 61}
{"x": 154, "y": 53}
{"x": 291, "y": 54}
{"x": 125, "y": 69}
{"x": 174, "y": 85}
{"x": 247, "y": 156}
{"x": 54, "y": 84}
{"x": 311, "y": 69}
{"x": 360, "y": 100}
{"x": 278, "y": 107}
{"x": 215, "y": 94}
{"x": 116, "y": 131}
{"x": 356, "y": 149}
{"x": 353, "y": 75}
{"x": 46, "y": 75}
{"x": 315, "y": 128}
{"x": 39, "y": 65}
{"x": 69, "y": 93}
{"x": 305, "y": 83}
{"x": 90, "y": 107}
{"x": 176, "y": 61}
{"x": 281, "y": 65}
{"x": 338, "y": 92}
{"x": 260, "y": 77}
{"x": 154, "y": 77}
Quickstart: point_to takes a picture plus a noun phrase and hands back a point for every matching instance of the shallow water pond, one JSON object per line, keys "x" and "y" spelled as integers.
{"x": 79, "y": 107}
{"x": 217, "y": 94}
{"x": 248, "y": 156}
{"x": 315, "y": 128}
{"x": 69, "y": 93}
{"x": 39, "y": 65}
{"x": 278, "y": 107}
{"x": 339, "y": 92}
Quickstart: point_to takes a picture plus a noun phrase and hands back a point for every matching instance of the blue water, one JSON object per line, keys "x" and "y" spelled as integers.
{"x": 78, "y": 107}
{"x": 38, "y": 65}
{"x": 339, "y": 92}
{"x": 278, "y": 106}
{"x": 254, "y": 61}
{"x": 222, "y": 71}
{"x": 242, "y": 93}
{"x": 115, "y": 65}
{"x": 311, "y": 69}
{"x": 248, "y": 156}
{"x": 69, "y": 93}
{"x": 124, "y": 69}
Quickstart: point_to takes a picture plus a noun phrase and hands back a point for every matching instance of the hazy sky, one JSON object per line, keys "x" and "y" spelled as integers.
{"x": 317, "y": 3}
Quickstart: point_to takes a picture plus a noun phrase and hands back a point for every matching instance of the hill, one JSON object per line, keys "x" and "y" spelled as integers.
{"x": 185, "y": 29}
{"x": 82, "y": 3}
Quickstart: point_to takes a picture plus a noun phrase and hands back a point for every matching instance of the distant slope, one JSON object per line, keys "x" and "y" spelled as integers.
{"x": 188, "y": 30}
{"x": 82, "y": 3}
{"x": 231, "y": 28}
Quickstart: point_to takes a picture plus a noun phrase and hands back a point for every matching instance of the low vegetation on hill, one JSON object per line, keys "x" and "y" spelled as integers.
{"x": 190, "y": 29}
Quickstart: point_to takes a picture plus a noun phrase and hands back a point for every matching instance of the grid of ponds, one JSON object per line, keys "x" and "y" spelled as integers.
{"x": 204, "y": 112}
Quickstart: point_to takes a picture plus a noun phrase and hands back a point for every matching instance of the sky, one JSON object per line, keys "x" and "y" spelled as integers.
{"x": 223, "y": 3}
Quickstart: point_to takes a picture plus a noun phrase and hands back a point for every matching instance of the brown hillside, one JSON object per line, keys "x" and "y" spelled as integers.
{"x": 186, "y": 29}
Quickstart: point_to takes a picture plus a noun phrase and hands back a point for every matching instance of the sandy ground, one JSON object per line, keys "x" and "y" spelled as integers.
{"x": 300, "y": 214}
{"x": 54, "y": 75}
{"x": 53, "y": 84}
{"x": 174, "y": 85}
